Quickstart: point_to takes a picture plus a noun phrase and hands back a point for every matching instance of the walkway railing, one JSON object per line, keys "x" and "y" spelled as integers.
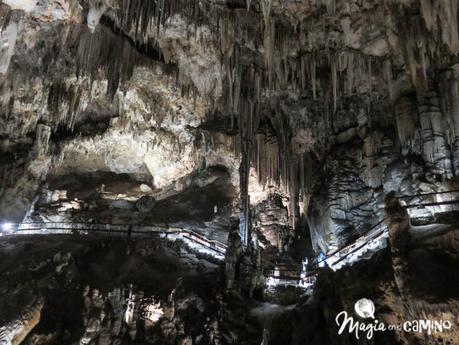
{"x": 335, "y": 259}
{"x": 283, "y": 273}
{"x": 120, "y": 229}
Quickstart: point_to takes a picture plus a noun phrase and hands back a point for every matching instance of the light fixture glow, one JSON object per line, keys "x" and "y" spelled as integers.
{"x": 7, "y": 227}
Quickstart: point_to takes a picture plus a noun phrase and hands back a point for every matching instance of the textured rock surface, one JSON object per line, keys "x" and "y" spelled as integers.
{"x": 330, "y": 98}
{"x": 120, "y": 304}
{"x": 297, "y": 118}
{"x": 427, "y": 294}
{"x": 17, "y": 329}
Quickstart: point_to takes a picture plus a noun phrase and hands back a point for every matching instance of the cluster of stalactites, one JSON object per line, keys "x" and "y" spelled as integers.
{"x": 64, "y": 103}
{"x": 103, "y": 50}
{"x": 144, "y": 19}
{"x": 427, "y": 39}
{"x": 277, "y": 165}
{"x": 266, "y": 158}
{"x": 441, "y": 18}
{"x": 245, "y": 84}
{"x": 248, "y": 122}
{"x": 104, "y": 55}
{"x": 350, "y": 72}
{"x": 281, "y": 70}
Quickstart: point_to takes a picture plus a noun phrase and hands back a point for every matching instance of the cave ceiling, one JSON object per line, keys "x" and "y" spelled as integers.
{"x": 327, "y": 104}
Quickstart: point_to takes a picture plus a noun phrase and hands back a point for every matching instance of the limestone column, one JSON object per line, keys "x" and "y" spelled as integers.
{"x": 451, "y": 95}
{"x": 435, "y": 150}
{"x": 244, "y": 173}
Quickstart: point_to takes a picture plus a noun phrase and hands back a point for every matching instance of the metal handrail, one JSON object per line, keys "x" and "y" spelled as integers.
{"x": 153, "y": 228}
{"x": 221, "y": 247}
{"x": 428, "y": 194}
{"x": 349, "y": 245}
{"x": 358, "y": 248}
{"x": 214, "y": 245}
{"x": 430, "y": 204}
{"x": 448, "y": 202}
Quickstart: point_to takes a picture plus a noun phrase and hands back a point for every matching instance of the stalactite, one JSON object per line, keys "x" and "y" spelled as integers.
{"x": 406, "y": 119}
{"x": 350, "y": 73}
{"x": 269, "y": 37}
{"x": 116, "y": 56}
{"x": 370, "y": 87}
{"x": 306, "y": 178}
{"x": 313, "y": 77}
{"x": 237, "y": 88}
{"x": 330, "y": 6}
{"x": 246, "y": 125}
{"x": 443, "y": 14}
{"x": 294, "y": 192}
{"x": 334, "y": 80}
{"x": 415, "y": 42}
{"x": 428, "y": 13}
{"x": 96, "y": 10}
{"x": 449, "y": 21}
{"x": 266, "y": 153}
{"x": 388, "y": 76}
{"x": 302, "y": 76}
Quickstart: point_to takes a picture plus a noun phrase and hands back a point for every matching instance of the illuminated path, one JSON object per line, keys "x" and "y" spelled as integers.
{"x": 372, "y": 241}
{"x": 193, "y": 239}
{"x": 281, "y": 275}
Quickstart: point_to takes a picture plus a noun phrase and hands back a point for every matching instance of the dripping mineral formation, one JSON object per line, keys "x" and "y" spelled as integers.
{"x": 229, "y": 172}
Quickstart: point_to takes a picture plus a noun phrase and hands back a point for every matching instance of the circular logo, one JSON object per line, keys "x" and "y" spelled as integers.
{"x": 365, "y": 308}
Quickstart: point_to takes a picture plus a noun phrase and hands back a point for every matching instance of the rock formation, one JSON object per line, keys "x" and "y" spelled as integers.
{"x": 278, "y": 131}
